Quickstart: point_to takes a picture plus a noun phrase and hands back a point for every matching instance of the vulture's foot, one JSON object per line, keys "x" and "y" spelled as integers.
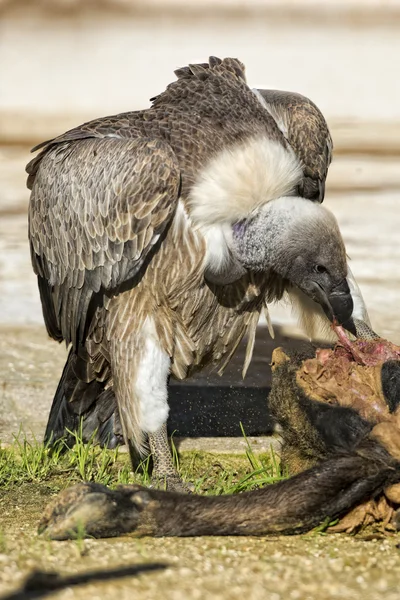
{"x": 93, "y": 510}
{"x": 172, "y": 483}
{"x": 165, "y": 476}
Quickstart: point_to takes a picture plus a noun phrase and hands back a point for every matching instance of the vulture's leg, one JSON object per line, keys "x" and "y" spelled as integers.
{"x": 165, "y": 474}
{"x": 324, "y": 492}
{"x": 141, "y": 369}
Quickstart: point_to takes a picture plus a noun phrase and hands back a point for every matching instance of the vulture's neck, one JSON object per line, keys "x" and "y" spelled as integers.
{"x": 267, "y": 239}
{"x": 264, "y": 242}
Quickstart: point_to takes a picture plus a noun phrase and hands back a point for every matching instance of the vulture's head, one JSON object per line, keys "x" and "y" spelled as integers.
{"x": 245, "y": 204}
{"x": 300, "y": 241}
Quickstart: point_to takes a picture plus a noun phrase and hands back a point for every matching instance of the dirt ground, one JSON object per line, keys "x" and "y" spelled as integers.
{"x": 306, "y": 567}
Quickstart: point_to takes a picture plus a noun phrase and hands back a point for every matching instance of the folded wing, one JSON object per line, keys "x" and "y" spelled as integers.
{"x": 98, "y": 208}
{"x": 306, "y": 130}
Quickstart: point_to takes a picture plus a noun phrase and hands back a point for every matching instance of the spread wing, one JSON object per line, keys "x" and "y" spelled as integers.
{"x": 306, "y": 130}
{"x": 97, "y": 209}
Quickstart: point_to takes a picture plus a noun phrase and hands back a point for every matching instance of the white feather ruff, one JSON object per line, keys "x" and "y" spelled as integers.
{"x": 218, "y": 240}
{"x": 241, "y": 179}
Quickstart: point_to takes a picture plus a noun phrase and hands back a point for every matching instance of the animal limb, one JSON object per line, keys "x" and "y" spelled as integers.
{"x": 164, "y": 474}
{"x": 292, "y": 506}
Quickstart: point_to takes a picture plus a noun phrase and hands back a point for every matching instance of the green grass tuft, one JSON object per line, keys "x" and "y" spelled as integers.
{"x": 30, "y": 461}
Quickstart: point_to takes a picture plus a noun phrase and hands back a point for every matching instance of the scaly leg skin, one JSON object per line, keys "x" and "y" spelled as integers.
{"x": 296, "y": 505}
{"x": 165, "y": 475}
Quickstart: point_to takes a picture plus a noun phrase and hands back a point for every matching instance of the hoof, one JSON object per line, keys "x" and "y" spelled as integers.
{"x": 93, "y": 510}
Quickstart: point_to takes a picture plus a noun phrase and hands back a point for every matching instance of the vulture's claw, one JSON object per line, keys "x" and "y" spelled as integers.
{"x": 172, "y": 483}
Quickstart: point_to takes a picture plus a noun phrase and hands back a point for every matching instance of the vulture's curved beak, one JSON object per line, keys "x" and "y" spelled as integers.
{"x": 336, "y": 303}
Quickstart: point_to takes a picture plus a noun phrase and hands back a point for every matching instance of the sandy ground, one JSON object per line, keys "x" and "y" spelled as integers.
{"x": 298, "y": 568}
{"x": 323, "y": 567}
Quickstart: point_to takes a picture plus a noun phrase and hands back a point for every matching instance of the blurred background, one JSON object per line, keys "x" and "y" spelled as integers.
{"x": 66, "y": 61}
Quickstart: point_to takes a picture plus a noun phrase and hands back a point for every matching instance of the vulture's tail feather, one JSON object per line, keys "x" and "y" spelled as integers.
{"x": 83, "y": 404}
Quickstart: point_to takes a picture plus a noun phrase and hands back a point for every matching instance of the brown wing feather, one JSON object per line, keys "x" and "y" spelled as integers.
{"x": 217, "y": 91}
{"x": 307, "y": 132}
{"x": 97, "y": 209}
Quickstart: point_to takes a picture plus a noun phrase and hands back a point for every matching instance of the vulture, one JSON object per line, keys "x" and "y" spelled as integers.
{"x": 159, "y": 236}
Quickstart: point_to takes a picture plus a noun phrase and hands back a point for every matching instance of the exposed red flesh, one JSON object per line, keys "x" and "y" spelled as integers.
{"x": 366, "y": 352}
{"x": 349, "y": 375}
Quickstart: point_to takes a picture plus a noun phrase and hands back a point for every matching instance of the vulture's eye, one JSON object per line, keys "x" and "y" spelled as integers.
{"x": 320, "y": 269}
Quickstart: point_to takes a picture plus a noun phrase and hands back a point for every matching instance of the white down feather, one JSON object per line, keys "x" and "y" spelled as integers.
{"x": 235, "y": 183}
{"x": 241, "y": 179}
